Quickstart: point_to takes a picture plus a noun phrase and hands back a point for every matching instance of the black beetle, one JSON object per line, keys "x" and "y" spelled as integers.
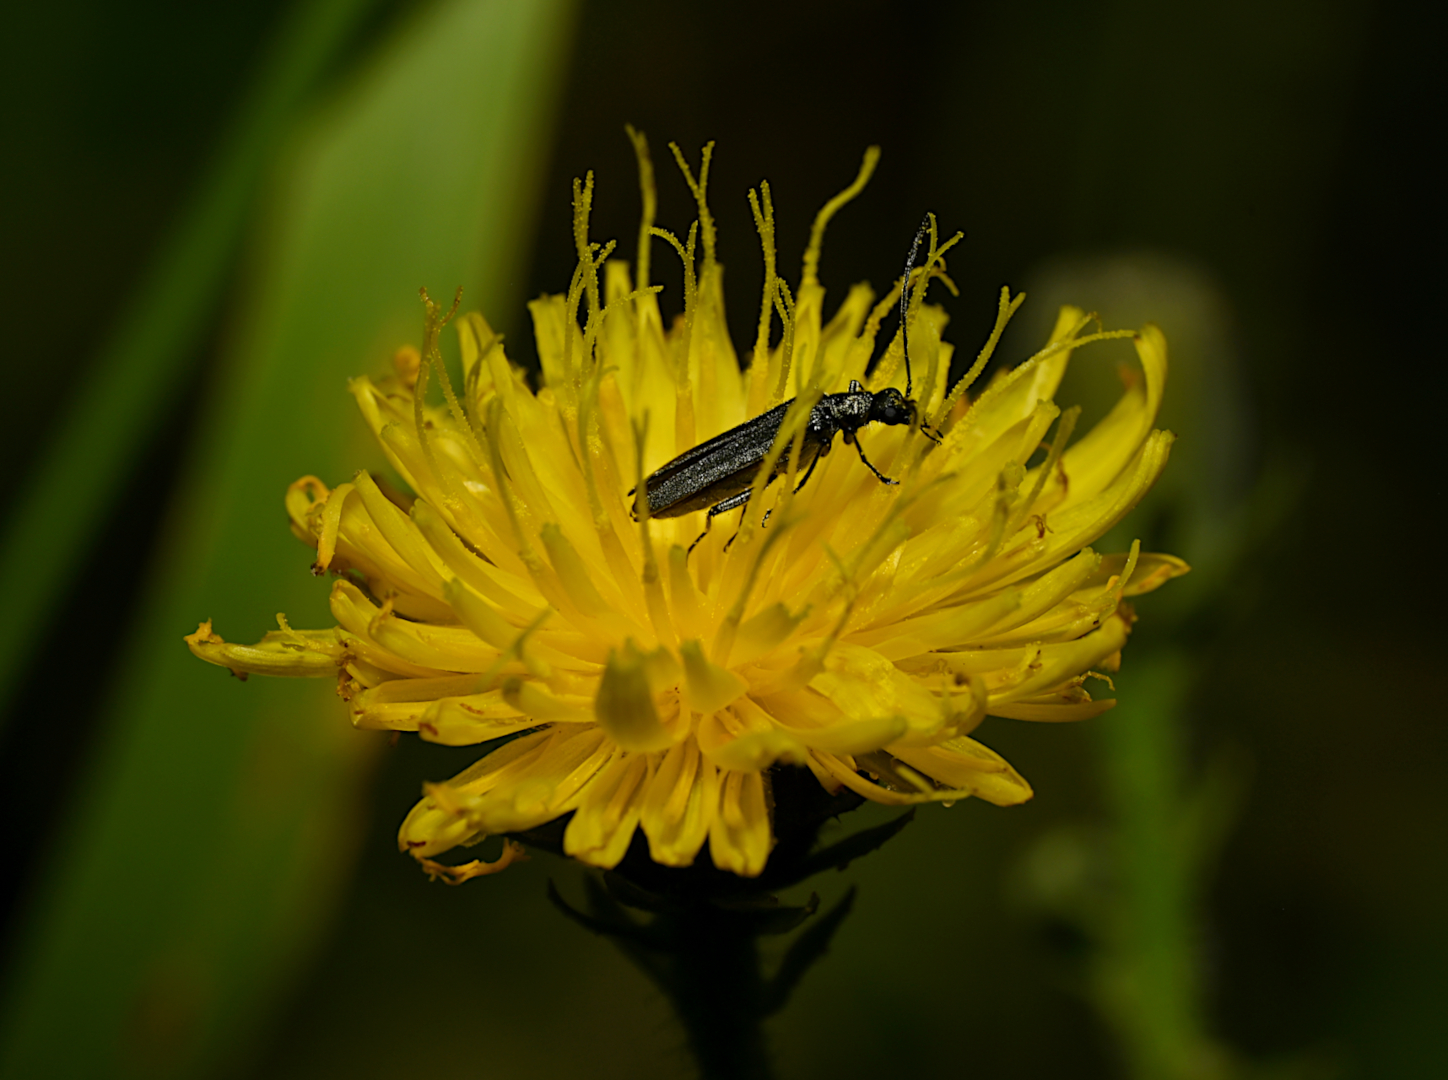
{"x": 719, "y": 474}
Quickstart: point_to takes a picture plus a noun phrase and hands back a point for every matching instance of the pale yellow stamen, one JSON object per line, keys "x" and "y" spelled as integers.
{"x": 810, "y": 273}
{"x": 1007, "y": 308}
{"x": 764, "y": 224}
{"x": 700, "y": 190}
{"x": 650, "y": 204}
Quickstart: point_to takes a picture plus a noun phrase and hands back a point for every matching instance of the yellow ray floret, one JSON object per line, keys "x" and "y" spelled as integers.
{"x": 863, "y": 630}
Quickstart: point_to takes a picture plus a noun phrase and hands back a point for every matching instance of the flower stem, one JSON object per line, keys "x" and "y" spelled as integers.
{"x": 699, "y": 939}
{"x": 718, "y": 991}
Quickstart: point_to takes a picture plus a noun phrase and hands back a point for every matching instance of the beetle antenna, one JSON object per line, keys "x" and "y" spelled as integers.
{"x": 905, "y": 303}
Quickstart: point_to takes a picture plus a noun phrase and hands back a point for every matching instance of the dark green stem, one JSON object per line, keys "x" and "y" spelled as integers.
{"x": 698, "y": 940}
{"x": 719, "y": 992}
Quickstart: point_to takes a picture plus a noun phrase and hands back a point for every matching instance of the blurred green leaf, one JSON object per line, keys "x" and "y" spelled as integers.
{"x": 1149, "y": 979}
{"x": 136, "y": 379}
{"x": 201, "y": 853}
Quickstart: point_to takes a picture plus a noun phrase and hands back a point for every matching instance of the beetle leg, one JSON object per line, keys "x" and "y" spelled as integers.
{"x": 700, "y": 538}
{"x": 878, "y": 475}
{"x": 736, "y": 501}
{"x": 762, "y": 522}
{"x": 731, "y": 503}
{"x": 807, "y": 474}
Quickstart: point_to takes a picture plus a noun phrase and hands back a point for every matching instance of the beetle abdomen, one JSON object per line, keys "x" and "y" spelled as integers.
{"x": 717, "y": 469}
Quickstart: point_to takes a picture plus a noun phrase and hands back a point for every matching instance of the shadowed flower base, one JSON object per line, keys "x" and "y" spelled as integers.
{"x": 695, "y": 931}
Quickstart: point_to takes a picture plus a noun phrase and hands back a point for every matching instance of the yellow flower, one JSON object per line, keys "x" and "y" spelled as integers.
{"x": 863, "y": 632}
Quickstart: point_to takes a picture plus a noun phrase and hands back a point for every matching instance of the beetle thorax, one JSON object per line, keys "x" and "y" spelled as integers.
{"x": 847, "y": 411}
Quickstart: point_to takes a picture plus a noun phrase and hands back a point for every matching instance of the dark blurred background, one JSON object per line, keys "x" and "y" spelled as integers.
{"x": 1275, "y": 153}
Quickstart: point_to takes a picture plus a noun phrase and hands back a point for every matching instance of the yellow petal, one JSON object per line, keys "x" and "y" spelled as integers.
{"x": 480, "y": 617}
{"x": 682, "y": 799}
{"x": 548, "y": 785}
{"x": 472, "y": 720}
{"x": 401, "y": 534}
{"x": 863, "y": 685}
{"x": 758, "y": 750}
{"x": 427, "y": 648}
{"x": 711, "y": 687}
{"x": 745, "y": 738}
{"x": 306, "y": 654}
{"x": 440, "y": 820}
{"x": 625, "y": 705}
{"x": 1061, "y": 662}
{"x": 966, "y": 765}
{"x": 760, "y": 634}
{"x": 608, "y": 812}
{"x": 475, "y": 337}
{"x": 740, "y": 837}
{"x": 536, "y": 700}
{"x": 1096, "y": 459}
{"x": 1153, "y": 570}
{"x": 843, "y": 770}
{"x": 1053, "y": 714}
{"x": 1012, "y": 397}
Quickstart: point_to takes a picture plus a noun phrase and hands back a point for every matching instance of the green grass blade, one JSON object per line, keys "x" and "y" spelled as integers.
{"x": 200, "y": 855}
{"x": 134, "y": 381}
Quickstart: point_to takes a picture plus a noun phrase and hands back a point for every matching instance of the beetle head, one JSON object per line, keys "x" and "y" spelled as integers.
{"x": 891, "y": 407}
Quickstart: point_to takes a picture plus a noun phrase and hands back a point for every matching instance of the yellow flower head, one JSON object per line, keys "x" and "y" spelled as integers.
{"x": 862, "y": 631}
